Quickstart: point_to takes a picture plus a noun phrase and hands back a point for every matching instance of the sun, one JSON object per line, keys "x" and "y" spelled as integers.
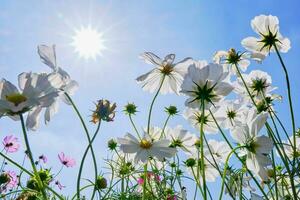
{"x": 88, "y": 42}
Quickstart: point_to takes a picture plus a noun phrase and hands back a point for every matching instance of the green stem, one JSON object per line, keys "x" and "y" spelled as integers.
{"x": 29, "y": 153}
{"x": 231, "y": 147}
{"x": 202, "y": 149}
{"x": 225, "y": 169}
{"x": 90, "y": 146}
{"x": 145, "y": 181}
{"x": 292, "y": 116}
{"x": 152, "y": 103}
{"x": 289, "y": 96}
{"x": 29, "y": 173}
{"x": 164, "y": 127}
{"x": 217, "y": 166}
{"x": 134, "y": 127}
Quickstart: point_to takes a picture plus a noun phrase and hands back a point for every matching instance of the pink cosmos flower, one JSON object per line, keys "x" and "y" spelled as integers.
{"x": 59, "y": 185}
{"x": 12, "y": 180}
{"x": 140, "y": 181}
{"x": 43, "y": 158}
{"x": 66, "y": 160}
{"x": 11, "y": 144}
{"x": 172, "y": 197}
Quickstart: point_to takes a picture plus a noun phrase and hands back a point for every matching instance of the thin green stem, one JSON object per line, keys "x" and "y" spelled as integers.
{"x": 145, "y": 181}
{"x": 134, "y": 127}
{"x": 202, "y": 149}
{"x": 289, "y": 96}
{"x": 217, "y": 166}
{"x": 225, "y": 169}
{"x": 152, "y": 103}
{"x": 89, "y": 146}
{"x": 164, "y": 127}
{"x": 231, "y": 147}
{"x": 29, "y": 173}
{"x": 29, "y": 153}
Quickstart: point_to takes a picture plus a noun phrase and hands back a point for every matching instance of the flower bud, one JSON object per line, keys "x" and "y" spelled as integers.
{"x": 130, "y": 109}
{"x": 190, "y": 162}
{"x": 104, "y": 111}
{"x": 112, "y": 144}
{"x": 171, "y": 110}
{"x": 101, "y": 183}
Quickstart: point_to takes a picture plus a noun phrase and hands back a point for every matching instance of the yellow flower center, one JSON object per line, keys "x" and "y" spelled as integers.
{"x": 167, "y": 69}
{"x": 145, "y": 144}
{"x": 16, "y": 98}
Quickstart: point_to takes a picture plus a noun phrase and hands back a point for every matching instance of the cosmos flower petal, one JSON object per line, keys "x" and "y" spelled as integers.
{"x": 7, "y": 88}
{"x": 151, "y": 58}
{"x": 33, "y": 118}
{"x": 48, "y": 55}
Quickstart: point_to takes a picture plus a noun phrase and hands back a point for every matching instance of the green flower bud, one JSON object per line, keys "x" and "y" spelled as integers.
{"x": 191, "y": 162}
{"x": 112, "y": 144}
{"x": 171, "y": 110}
{"x": 101, "y": 183}
{"x": 130, "y": 109}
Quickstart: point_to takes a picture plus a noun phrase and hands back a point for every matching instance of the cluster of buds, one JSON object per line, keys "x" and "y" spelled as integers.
{"x": 104, "y": 111}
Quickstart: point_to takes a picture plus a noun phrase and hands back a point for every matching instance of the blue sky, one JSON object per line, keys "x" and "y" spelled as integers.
{"x": 187, "y": 28}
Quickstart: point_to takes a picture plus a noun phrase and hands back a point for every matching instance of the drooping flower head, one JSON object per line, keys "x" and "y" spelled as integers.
{"x": 104, "y": 111}
{"x": 267, "y": 27}
{"x": 43, "y": 158}
{"x": 69, "y": 86}
{"x": 66, "y": 160}
{"x": 165, "y": 70}
{"x": 207, "y": 83}
{"x": 11, "y": 144}
{"x": 59, "y": 185}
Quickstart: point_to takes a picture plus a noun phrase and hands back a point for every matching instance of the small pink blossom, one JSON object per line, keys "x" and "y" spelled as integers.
{"x": 12, "y": 181}
{"x": 43, "y": 158}
{"x": 11, "y": 144}
{"x": 59, "y": 185}
{"x": 172, "y": 197}
{"x": 140, "y": 181}
{"x": 66, "y": 160}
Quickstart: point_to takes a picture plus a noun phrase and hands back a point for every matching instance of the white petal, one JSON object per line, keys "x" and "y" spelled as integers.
{"x": 51, "y": 110}
{"x": 33, "y": 118}
{"x": 48, "y": 55}
{"x": 7, "y": 88}
{"x": 151, "y": 58}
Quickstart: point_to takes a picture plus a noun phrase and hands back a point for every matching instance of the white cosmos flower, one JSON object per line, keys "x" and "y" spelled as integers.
{"x": 194, "y": 117}
{"x": 155, "y": 132}
{"x": 231, "y": 111}
{"x": 181, "y": 138}
{"x": 257, "y": 148}
{"x": 267, "y": 27}
{"x": 211, "y": 173}
{"x": 259, "y": 84}
{"x": 48, "y": 56}
{"x": 219, "y": 149}
{"x": 288, "y": 147}
{"x": 146, "y": 147}
{"x": 205, "y": 81}
{"x": 35, "y": 90}
{"x": 164, "y": 68}
{"x": 224, "y": 57}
